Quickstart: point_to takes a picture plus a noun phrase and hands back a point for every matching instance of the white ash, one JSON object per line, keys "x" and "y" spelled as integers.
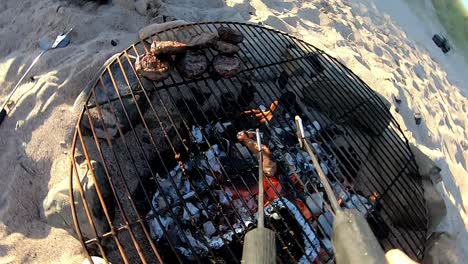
{"x": 311, "y": 242}
{"x": 315, "y": 203}
{"x": 209, "y": 228}
{"x": 197, "y": 135}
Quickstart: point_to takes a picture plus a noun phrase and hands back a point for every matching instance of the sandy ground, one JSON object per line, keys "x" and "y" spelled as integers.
{"x": 382, "y": 43}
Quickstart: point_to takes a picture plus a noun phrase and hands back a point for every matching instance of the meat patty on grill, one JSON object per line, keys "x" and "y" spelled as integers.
{"x": 226, "y": 66}
{"x": 230, "y": 35}
{"x": 192, "y": 64}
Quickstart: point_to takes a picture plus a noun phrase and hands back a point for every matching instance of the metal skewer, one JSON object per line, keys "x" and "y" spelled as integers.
{"x": 353, "y": 239}
{"x": 260, "y": 243}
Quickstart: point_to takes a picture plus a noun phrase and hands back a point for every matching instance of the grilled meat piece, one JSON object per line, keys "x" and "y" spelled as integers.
{"x": 225, "y": 47}
{"x": 248, "y": 139}
{"x": 192, "y": 64}
{"x": 168, "y": 47}
{"x": 226, "y": 66}
{"x": 230, "y": 35}
{"x": 202, "y": 40}
{"x": 153, "y": 68}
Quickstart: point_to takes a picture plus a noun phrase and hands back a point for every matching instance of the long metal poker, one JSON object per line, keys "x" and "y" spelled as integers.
{"x": 259, "y": 243}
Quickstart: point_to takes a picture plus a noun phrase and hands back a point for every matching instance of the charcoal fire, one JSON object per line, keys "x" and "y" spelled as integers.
{"x": 216, "y": 210}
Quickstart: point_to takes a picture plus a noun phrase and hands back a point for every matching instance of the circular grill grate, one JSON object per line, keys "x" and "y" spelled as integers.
{"x": 158, "y": 175}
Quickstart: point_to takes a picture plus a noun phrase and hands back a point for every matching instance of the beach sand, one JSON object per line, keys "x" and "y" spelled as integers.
{"x": 388, "y": 48}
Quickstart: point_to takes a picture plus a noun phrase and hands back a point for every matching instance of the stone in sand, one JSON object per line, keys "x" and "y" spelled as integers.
{"x": 56, "y": 206}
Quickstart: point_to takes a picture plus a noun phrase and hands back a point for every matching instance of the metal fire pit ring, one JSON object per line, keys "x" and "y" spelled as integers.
{"x": 130, "y": 129}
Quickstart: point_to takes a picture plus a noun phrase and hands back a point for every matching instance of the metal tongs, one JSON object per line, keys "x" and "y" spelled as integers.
{"x": 353, "y": 240}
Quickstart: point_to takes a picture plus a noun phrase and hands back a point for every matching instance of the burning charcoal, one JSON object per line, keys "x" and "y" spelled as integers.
{"x": 225, "y": 47}
{"x": 197, "y": 134}
{"x": 263, "y": 115}
{"x": 159, "y": 203}
{"x": 219, "y": 127}
{"x": 310, "y": 249}
{"x": 325, "y": 223}
{"x": 226, "y": 66}
{"x": 213, "y": 162}
{"x": 194, "y": 212}
{"x": 230, "y": 35}
{"x": 216, "y": 242}
{"x": 167, "y": 47}
{"x": 358, "y": 202}
{"x": 328, "y": 245}
{"x": 187, "y": 253}
{"x": 222, "y": 197}
{"x": 244, "y": 152}
{"x": 188, "y": 195}
{"x": 228, "y": 236}
{"x": 168, "y": 189}
{"x": 156, "y": 230}
{"x": 290, "y": 161}
{"x": 340, "y": 193}
{"x": 324, "y": 168}
{"x": 199, "y": 247}
{"x": 192, "y": 64}
{"x": 202, "y": 40}
{"x": 209, "y": 228}
{"x": 317, "y": 125}
{"x": 239, "y": 207}
{"x": 209, "y": 180}
{"x": 315, "y": 203}
{"x": 153, "y": 68}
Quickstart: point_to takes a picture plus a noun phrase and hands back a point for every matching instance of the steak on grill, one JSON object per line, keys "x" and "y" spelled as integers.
{"x": 153, "y": 68}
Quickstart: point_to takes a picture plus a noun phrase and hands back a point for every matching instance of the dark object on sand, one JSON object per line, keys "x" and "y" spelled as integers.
{"x": 168, "y": 47}
{"x": 226, "y": 66}
{"x": 2, "y": 115}
{"x": 442, "y": 43}
{"x": 225, "y": 47}
{"x": 192, "y": 64}
{"x": 230, "y": 35}
{"x": 153, "y": 68}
